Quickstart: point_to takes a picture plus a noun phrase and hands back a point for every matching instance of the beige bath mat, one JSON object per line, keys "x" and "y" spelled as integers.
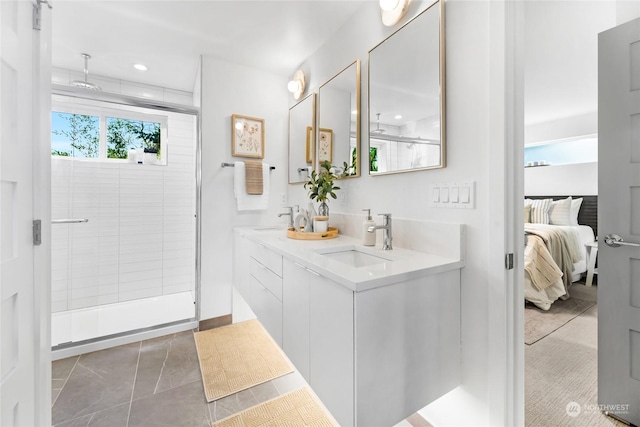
{"x": 236, "y": 357}
{"x": 298, "y": 408}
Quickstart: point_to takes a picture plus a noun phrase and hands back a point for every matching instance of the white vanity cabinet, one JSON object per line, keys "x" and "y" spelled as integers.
{"x": 318, "y": 336}
{"x": 374, "y": 353}
{"x": 258, "y": 278}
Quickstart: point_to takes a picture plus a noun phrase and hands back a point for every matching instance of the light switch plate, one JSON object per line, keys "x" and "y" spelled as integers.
{"x": 457, "y": 195}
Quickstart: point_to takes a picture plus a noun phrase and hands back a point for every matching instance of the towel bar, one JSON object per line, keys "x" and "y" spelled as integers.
{"x": 230, "y": 165}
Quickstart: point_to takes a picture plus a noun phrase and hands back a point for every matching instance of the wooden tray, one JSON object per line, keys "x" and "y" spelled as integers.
{"x": 331, "y": 233}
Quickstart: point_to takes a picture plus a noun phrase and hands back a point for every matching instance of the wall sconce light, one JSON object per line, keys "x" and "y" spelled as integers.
{"x": 393, "y": 11}
{"x": 296, "y": 85}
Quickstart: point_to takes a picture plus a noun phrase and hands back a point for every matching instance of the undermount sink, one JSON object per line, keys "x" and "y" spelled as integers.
{"x": 355, "y": 257}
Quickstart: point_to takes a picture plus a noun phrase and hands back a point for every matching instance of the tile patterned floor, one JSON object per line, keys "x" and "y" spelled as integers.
{"x": 155, "y": 382}
{"x": 151, "y": 383}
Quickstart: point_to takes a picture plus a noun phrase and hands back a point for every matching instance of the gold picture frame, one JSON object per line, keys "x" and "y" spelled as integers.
{"x": 325, "y": 145}
{"x": 310, "y": 147}
{"x": 247, "y": 136}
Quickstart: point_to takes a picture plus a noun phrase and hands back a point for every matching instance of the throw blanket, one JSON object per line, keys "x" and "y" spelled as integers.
{"x": 563, "y": 245}
{"x": 539, "y": 263}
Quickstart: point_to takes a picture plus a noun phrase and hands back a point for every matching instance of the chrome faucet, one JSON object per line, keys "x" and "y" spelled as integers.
{"x": 386, "y": 226}
{"x": 289, "y": 213}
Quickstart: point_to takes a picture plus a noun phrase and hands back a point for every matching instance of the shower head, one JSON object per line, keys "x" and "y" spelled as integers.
{"x": 377, "y": 130}
{"x": 85, "y": 83}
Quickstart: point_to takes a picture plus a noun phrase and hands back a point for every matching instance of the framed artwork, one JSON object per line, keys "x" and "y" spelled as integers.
{"x": 247, "y": 136}
{"x": 309, "y": 150}
{"x": 325, "y": 145}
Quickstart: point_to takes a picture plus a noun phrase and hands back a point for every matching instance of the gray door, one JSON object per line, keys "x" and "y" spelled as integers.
{"x": 619, "y": 215}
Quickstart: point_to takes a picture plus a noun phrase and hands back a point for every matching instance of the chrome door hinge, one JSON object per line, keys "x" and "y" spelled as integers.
{"x": 37, "y": 13}
{"x": 37, "y": 232}
{"x": 37, "y": 16}
{"x": 508, "y": 261}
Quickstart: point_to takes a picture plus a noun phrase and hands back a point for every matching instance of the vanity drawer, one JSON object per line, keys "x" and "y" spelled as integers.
{"x": 267, "y": 308}
{"x": 266, "y": 257}
{"x": 266, "y": 277}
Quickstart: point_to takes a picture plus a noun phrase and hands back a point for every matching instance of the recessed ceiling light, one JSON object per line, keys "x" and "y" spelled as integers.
{"x": 354, "y": 112}
{"x": 140, "y": 67}
{"x": 398, "y": 117}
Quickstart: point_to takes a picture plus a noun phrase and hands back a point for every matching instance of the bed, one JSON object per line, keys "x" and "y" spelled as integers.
{"x": 556, "y": 231}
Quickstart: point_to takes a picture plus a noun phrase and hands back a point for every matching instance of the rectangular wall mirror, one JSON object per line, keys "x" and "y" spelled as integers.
{"x": 338, "y": 133}
{"x": 302, "y": 117}
{"x": 407, "y": 97}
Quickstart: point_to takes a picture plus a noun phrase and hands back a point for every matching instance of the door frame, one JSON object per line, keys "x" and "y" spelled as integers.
{"x": 41, "y": 158}
{"x": 513, "y": 160}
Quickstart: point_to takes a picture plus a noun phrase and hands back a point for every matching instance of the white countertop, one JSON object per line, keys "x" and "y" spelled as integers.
{"x": 399, "y": 264}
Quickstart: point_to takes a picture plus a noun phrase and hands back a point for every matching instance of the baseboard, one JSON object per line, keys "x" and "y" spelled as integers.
{"x": 215, "y": 322}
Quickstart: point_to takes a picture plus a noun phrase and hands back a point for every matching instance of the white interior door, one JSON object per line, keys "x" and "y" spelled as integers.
{"x": 19, "y": 384}
{"x": 619, "y": 214}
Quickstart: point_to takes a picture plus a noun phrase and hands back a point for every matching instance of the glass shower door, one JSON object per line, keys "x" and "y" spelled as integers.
{"x": 124, "y": 234}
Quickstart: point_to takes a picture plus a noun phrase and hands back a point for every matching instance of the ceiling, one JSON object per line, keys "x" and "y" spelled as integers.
{"x": 168, "y": 36}
{"x": 561, "y": 57}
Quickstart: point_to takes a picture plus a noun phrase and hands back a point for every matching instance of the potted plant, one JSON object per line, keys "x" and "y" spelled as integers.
{"x": 321, "y": 185}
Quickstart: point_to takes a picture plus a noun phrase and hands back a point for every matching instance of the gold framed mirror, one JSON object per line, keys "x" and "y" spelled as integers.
{"x": 407, "y": 97}
{"x": 338, "y": 132}
{"x": 302, "y": 117}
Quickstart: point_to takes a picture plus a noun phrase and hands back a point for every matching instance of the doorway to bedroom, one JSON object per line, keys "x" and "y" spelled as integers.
{"x": 561, "y": 183}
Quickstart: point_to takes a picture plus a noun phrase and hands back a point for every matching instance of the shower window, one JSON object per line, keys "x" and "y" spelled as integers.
{"x": 106, "y": 135}
{"x": 124, "y": 134}
{"x": 75, "y": 135}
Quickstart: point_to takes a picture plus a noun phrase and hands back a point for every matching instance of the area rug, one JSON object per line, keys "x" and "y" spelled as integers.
{"x": 235, "y": 357}
{"x": 298, "y": 408}
{"x": 539, "y": 323}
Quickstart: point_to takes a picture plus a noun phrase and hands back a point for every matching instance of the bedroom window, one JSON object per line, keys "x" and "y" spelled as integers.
{"x": 582, "y": 149}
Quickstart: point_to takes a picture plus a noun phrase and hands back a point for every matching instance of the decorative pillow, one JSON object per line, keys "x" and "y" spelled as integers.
{"x": 560, "y": 212}
{"x": 575, "y": 208}
{"x": 540, "y": 211}
{"x": 527, "y": 213}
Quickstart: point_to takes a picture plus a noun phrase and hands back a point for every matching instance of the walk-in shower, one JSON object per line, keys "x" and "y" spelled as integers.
{"x": 124, "y": 221}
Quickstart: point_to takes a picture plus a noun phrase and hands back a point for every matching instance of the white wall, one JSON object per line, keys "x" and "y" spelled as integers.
{"x": 579, "y": 179}
{"x": 626, "y": 11}
{"x": 475, "y": 147}
{"x": 476, "y": 152}
{"x": 234, "y": 89}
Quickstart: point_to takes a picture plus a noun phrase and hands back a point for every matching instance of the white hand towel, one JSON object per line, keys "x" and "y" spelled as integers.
{"x": 249, "y": 202}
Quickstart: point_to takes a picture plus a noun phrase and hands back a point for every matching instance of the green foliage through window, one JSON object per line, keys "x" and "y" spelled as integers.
{"x": 124, "y": 134}
{"x": 373, "y": 159}
{"x": 78, "y": 135}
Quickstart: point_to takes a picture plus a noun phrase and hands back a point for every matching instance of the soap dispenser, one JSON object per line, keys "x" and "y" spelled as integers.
{"x": 368, "y": 239}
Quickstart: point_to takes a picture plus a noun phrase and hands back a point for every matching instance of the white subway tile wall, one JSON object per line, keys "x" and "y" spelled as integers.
{"x": 140, "y": 238}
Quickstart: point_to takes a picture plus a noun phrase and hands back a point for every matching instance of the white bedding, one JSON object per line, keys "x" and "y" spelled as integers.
{"x": 544, "y": 298}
